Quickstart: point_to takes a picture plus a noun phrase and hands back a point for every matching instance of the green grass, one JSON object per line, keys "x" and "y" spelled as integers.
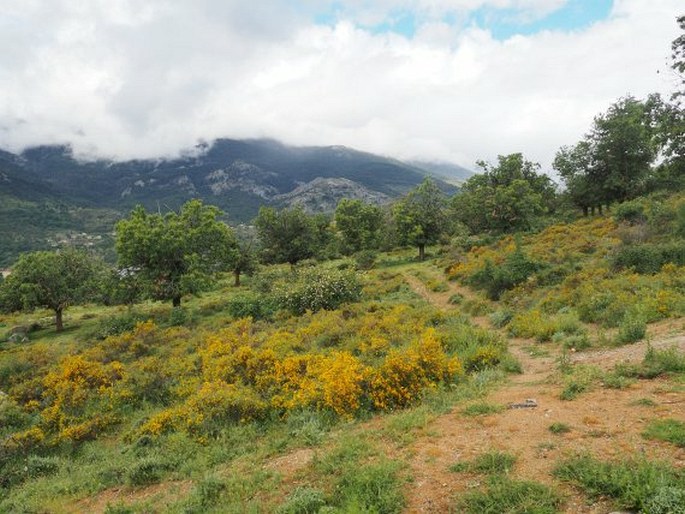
{"x": 491, "y": 463}
{"x": 504, "y": 496}
{"x": 559, "y": 428}
{"x": 632, "y": 484}
{"x": 669, "y": 430}
{"x": 481, "y": 409}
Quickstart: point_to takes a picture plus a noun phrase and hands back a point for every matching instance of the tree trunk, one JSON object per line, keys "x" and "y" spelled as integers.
{"x": 236, "y": 273}
{"x": 592, "y": 210}
{"x": 176, "y": 301}
{"x": 58, "y": 320}
{"x": 585, "y": 211}
{"x": 600, "y": 210}
{"x": 422, "y": 252}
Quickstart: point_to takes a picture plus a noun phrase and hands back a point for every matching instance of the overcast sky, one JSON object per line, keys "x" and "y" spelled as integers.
{"x": 455, "y": 80}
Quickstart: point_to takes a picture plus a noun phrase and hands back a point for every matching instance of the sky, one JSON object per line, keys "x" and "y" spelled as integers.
{"x": 443, "y": 80}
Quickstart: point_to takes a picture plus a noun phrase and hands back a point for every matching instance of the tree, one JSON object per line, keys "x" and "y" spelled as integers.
{"x": 359, "y": 224}
{"x": 175, "y": 253}
{"x": 420, "y": 217}
{"x": 678, "y": 58}
{"x": 506, "y": 197}
{"x": 54, "y": 280}
{"x": 288, "y": 235}
{"x": 613, "y": 161}
{"x": 245, "y": 262}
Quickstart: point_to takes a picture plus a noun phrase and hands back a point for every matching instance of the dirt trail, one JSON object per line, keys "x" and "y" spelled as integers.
{"x": 605, "y": 422}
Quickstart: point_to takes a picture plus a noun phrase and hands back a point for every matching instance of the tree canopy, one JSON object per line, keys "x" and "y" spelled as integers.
{"x": 288, "y": 235}
{"x": 420, "y": 218}
{"x": 505, "y": 197}
{"x": 54, "y": 280}
{"x": 359, "y": 225}
{"x": 176, "y": 253}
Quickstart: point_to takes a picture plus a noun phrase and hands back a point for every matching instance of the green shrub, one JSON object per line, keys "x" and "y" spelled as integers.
{"x": 481, "y": 409}
{"x": 631, "y": 329}
{"x": 503, "y": 496}
{"x": 559, "y": 428}
{"x": 317, "y": 289}
{"x": 303, "y": 500}
{"x": 649, "y": 258}
{"x": 117, "y": 324}
{"x": 501, "y": 318}
{"x": 630, "y": 212}
{"x": 495, "y": 280}
{"x": 37, "y": 466}
{"x": 669, "y": 430}
{"x": 455, "y": 299}
{"x": 572, "y": 390}
{"x": 667, "y": 500}
{"x": 255, "y": 306}
{"x": 146, "y": 471}
{"x": 178, "y": 317}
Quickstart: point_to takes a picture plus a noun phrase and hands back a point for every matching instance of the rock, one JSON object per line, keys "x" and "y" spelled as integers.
{"x": 528, "y": 403}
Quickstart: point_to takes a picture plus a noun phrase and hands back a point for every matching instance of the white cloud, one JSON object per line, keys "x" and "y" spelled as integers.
{"x": 133, "y": 79}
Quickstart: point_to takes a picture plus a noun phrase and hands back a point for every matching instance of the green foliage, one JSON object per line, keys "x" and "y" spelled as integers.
{"x": 495, "y": 280}
{"x": 504, "y": 496}
{"x": 303, "y": 500}
{"x": 54, "y": 280}
{"x": 420, "y": 217}
{"x": 559, "y": 428}
{"x": 288, "y": 235}
{"x": 669, "y": 430}
{"x": 505, "y": 198}
{"x": 667, "y": 500}
{"x": 177, "y": 253}
{"x": 255, "y": 306}
{"x": 631, "y": 329}
{"x": 318, "y": 289}
{"x": 365, "y": 259}
{"x": 630, "y": 212}
{"x": 117, "y": 324}
{"x": 491, "y": 463}
{"x": 632, "y": 483}
{"x": 650, "y": 257}
{"x": 359, "y": 225}
{"x": 146, "y": 471}
{"x": 371, "y": 488}
{"x": 481, "y": 409}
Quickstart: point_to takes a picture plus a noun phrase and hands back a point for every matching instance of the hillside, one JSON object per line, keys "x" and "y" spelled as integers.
{"x": 442, "y": 386}
{"x": 53, "y": 196}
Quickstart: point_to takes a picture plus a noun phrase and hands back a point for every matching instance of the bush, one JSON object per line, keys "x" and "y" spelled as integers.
{"x": 501, "y": 319}
{"x": 649, "y": 258}
{"x": 630, "y": 212}
{"x": 117, "y": 324}
{"x": 667, "y": 500}
{"x": 631, "y": 329}
{"x": 495, "y": 280}
{"x": 317, "y": 289}
{"x": 254, "y": 306}
{"x": 146, "y": 471}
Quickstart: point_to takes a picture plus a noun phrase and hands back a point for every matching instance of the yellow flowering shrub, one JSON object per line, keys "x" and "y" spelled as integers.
{"x": 404, "y": 374}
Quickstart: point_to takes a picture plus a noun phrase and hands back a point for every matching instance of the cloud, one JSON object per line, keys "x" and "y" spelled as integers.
{"x": 126, "y": 79}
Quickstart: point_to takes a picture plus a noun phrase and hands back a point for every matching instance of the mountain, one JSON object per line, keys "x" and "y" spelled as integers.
{"x": 448, "y": 171}
{"x": 55, "y": 196}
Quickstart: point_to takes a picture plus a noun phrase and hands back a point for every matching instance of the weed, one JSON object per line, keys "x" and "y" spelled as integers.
{"x": 572, "y": 390}
{"x": 669, "y": 430}
{"x": 631, "y": 329}
{"x": 504, "y": 496}
{"x": 481, "y": 409}
{"x": 303, "y": 500}
{"x": 559, "y": 428}
{"x": 372, "y": 488}
{"x": 645, "y": 402}
{"x": 490, "y": 463}
{"x": 632, "y": 483}
{"x": 456, "y": 299}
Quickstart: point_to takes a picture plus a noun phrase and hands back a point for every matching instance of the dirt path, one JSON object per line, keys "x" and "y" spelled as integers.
{"x": 605, "y": 422}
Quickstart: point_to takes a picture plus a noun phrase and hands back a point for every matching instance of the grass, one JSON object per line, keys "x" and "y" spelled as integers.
{"x": 504, "y": 496}
{"x": 632, "y": 484}
{"x": 491, "y": 463}
{"x": 481, "y": 409}
{"x": 668, "y": 430}
{"x": 559, "y": 428}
